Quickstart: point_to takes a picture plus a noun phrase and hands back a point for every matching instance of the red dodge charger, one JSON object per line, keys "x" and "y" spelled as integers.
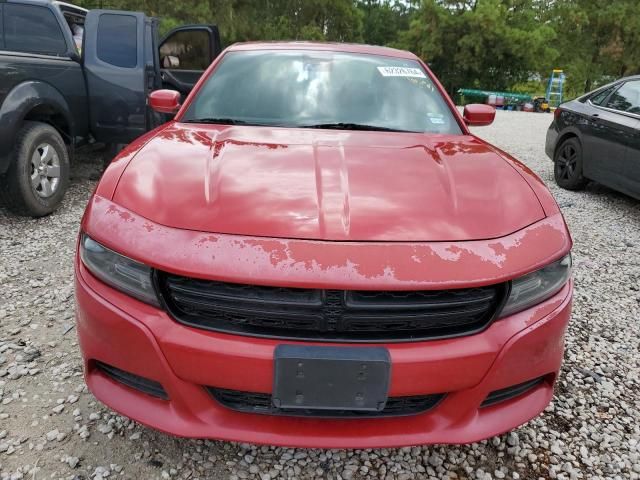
{"x": 317, "y": 252}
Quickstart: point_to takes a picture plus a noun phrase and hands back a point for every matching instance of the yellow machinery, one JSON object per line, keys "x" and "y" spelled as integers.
{"x": 541, "y": 104}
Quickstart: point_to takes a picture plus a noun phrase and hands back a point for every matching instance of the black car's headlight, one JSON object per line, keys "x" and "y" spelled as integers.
{"x": 118, "y": 271}
{"x": 535, "y": 287}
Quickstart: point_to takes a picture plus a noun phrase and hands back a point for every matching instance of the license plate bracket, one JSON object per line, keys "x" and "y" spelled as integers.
{"x": 331, "y": 378}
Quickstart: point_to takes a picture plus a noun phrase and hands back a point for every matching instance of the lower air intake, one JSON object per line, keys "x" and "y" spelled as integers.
{"x": 144, "y": 385}
{"x": 513, "y": 391}
{"x": 260, "y": 403}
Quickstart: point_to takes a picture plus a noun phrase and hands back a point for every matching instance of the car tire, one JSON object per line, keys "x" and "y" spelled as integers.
{"x": 38, "y": 175}
{"x": 567, "y": 169}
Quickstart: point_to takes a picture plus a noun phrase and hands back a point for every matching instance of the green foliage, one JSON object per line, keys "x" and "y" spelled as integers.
{"x": 383, "y": 20}
{"x": 242, "y": 20}
{"x": 488, "y": 44}
{"x": 600, "y": 42}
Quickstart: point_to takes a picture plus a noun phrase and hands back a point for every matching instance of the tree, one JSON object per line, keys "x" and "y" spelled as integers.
{"x": 489, "y": 44}
{"x": 383, "y": 19}
{"x": 600, "y": 42}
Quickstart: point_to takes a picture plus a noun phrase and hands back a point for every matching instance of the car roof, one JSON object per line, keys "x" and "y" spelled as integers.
{"x": 607, "y": 85}
{"x": 324, "y": 46}
{"x": 69, "y": 5}
{"x": 619, "y": 80}
{"x": 49, "y": 2}
{"x": 32, "y": 2}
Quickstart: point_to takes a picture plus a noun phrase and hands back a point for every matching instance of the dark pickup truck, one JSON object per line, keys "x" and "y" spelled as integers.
{"x": 69, "y": 76}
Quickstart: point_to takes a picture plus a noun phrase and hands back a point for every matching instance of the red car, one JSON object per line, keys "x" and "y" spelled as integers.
{"x": 316, "y": 252}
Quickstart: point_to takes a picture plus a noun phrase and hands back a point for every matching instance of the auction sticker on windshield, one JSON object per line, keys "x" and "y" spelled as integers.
{"x": 401, "y": 72}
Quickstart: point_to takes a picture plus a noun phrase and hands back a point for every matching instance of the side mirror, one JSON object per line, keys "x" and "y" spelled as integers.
{"x": 164, "y": 101}
{"x": 478, "y": 114}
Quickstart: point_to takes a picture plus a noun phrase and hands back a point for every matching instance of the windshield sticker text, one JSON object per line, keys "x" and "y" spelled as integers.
{"x": 401, "y": 72}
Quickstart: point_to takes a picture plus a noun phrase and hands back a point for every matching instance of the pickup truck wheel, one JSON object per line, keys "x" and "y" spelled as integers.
{"x": 38, "y": 176}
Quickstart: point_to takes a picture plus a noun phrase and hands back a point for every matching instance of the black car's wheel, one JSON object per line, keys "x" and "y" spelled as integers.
{"x": 39, "y": 172}
{"x": 568, "y": 165}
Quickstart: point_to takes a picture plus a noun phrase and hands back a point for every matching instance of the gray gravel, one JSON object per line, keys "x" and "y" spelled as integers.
{"x": 51, "y": 427}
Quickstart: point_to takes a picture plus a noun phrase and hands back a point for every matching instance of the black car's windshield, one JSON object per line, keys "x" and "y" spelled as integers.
{"x": 312, "y": 89}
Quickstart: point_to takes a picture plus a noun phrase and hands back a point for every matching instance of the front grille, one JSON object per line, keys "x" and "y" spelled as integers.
{"x": 332, "y": 315}
{"x": 260, "y": 403}
{"x": 145, "y": 385}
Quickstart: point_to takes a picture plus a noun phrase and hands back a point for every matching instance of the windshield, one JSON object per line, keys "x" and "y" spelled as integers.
{"x": 322, "y": 90}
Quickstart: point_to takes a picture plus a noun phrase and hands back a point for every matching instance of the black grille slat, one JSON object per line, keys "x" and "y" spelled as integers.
{"x": 200, "y": 304}
{"x": 418, "y": 299}
{"x": 256, "y": 294}
{"x": 405, "y": 323}
{"x": 260, "y": 403}
{"x": 235, "y": 322}
{"x": 331, "y": 315}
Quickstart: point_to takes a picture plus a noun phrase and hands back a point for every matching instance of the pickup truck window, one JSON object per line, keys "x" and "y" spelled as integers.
{"x": 118, "y": 40}
{"x": 32, "y": 29}
{"x": 186, "y": 50}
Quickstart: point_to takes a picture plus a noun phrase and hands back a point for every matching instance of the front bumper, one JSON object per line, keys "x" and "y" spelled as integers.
{"x": 137, "y": 338}
{"x": 184, "y": 360}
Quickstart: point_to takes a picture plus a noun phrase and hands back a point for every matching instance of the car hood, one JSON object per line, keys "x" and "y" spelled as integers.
{"x": 327, "y": 185}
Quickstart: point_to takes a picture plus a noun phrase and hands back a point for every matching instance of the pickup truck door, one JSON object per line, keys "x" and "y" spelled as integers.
{"x": 185, "y": 53}
{"x": 122, "y": 63}
{"x": 120, "y": 70}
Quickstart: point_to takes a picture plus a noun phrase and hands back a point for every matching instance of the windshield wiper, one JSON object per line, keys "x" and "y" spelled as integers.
{"x": 335, "y": 126}
{"x": 221, "y": 121}
{"x": 352, "y": 126}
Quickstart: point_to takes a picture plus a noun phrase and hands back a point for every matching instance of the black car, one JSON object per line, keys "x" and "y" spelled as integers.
{"x": 597, "y": 137}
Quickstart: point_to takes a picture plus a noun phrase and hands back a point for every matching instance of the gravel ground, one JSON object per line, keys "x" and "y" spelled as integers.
{"x": 51, "y": 427}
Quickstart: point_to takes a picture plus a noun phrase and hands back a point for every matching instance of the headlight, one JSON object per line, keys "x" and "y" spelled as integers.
{"x": 118, "y": 271}
{"x": 537, "y": 286}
